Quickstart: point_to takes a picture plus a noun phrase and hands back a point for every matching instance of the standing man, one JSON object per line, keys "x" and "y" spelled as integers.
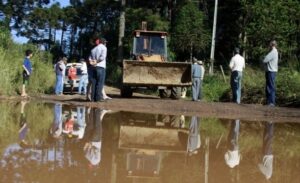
{"x": 27, "y": 70}
{"x": 98, "y": 60}
{"x": 197, "y": 75}
{"x": 60, "y": 73}
{"x": 84, "y": 78}
{"x": 271, "y": 68}
{"x": 237, "y": 64}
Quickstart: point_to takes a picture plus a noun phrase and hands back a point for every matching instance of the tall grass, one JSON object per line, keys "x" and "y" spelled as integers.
{"x": 11, "y": 59}
{"x": 253, "y": 86}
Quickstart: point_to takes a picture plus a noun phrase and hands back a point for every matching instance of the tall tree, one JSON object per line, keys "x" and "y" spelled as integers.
{"x": 273, "y": 19}
{"x": 189, "y": 34}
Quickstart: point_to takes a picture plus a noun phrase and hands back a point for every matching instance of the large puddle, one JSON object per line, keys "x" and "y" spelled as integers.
{"x": 42, "y": 142}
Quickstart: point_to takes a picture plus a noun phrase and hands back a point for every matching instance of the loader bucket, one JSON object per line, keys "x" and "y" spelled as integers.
{"x": 149, "y": 73}
{"x": 147, "y": 138}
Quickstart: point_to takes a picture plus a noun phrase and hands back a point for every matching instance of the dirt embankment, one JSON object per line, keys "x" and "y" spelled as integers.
{"x": 153, "y": 104}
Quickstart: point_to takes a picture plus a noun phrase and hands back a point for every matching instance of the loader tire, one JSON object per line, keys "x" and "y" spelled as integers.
{"x": 175, "y": 93}
{"x": 163, "y": 93}
{"x": 126, "y": 92}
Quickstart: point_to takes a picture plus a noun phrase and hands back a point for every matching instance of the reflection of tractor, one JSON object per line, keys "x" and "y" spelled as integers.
{"x": 150, "y": 67}
{"x": 147, "y": 139}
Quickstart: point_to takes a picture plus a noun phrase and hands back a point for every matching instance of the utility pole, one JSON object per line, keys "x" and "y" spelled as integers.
{"x": 213, "y": 40}
{"x": 121, "y": 31}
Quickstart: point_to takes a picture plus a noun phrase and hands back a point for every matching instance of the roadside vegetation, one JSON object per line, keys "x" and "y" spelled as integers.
{"x": 11, "y": 59}
{"x": 249, "y": 26}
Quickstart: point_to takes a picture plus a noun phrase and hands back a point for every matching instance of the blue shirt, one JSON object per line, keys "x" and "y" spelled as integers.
{"x": 99, "y": 53}
{"x": 27, "y": 65}
{"x": 196, "y": 71}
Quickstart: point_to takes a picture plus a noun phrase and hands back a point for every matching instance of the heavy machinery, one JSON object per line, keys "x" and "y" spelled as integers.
{"x": 149, "y": 67}
{"x": 147, "y": 139}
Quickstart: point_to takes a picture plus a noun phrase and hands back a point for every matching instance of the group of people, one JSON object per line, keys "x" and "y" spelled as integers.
{"x": 93, "y": 72}
{"x": 237, "y": 65}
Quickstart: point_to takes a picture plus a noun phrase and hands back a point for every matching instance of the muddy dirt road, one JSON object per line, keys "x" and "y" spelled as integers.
{"x": 153, "y": 104}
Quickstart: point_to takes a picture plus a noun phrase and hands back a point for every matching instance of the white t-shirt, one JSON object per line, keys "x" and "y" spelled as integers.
{"x": 237, "y": 63}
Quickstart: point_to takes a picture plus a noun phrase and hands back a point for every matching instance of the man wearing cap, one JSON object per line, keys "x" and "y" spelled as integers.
{"x": 197, "y": 75}
{"x": 84, "y": 78}
{"x": 237, "y": 64}
{"x": 98, "y": 61}
{"x": 271, "y": 68}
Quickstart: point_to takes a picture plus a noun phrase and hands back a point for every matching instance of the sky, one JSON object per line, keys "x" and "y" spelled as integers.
{"x": 21, "y": 39}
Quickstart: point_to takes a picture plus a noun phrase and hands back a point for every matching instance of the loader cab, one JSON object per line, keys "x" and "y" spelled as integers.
{"x": 150, "y": 45}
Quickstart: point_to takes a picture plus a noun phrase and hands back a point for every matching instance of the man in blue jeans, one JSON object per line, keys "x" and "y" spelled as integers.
{"x": 60, "y": 70}
{"x": 271, "y": 68}
{"x": 98, "y": 62}
{"x": 237, "y": 64}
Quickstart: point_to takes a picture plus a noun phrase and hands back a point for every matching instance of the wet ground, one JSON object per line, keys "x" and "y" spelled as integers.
{"x": 64, "y": 142}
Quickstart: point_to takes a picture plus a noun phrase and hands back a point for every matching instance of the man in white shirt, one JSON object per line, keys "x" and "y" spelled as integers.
{"x": 237, "y": 64}
{"x": 98, "y": 60}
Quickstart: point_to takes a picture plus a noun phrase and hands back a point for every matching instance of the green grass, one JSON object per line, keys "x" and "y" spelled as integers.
{"x": 42, "y": 78}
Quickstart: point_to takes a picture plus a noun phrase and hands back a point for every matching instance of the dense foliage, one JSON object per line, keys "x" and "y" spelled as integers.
{"x": 247, "y": 24}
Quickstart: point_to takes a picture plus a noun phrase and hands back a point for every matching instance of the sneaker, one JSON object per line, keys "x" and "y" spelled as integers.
{"x": 107, "y": 98}
{"x": 271, "y": 105}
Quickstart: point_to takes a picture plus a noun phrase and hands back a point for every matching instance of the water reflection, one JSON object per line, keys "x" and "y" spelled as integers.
{"x": 56, "y": 128}
{"x": 23, "y": 126}
{"x": 194, "y": 141}
{"x": 93, "y": 141}
{"x": 79, "y": 144}
{"x": 266, "y": 166}
{"x": 232, "y": 156}
{"x": 146, "y": 140}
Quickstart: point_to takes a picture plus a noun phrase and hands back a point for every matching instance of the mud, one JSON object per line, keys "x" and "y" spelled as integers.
{"x": 155, "y": 105}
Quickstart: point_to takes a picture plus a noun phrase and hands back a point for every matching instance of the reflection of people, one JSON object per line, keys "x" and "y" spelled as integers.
{"x": 27, "y": 70}
{"x": 74, "y": 127}
{"x": 92, "y": 148}
{"x": 237, "y": 64}
{"x": 56, "y": 129}
{"x": 194, "y": 141}
{"x": 197, "y": 75}
{"x": 60, "y": 74}
{"x": 72, "y": 76}
{"x": 266, "y": 166}
{"x": 271, "y": 68}
{"x": 23, "y": 126}
{"x": 232, "y": 156}
{"x": 84, "y": 78}
{"x": 98, "y": 60}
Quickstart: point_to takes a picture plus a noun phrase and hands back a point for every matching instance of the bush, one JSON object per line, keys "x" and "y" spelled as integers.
{"x": 214, "y": 88}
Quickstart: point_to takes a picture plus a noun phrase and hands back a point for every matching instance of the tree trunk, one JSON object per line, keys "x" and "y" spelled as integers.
{"x": 62, "y": 37}
{"x": 121, "y": 31}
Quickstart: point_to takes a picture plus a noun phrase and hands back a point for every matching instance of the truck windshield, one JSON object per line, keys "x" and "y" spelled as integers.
{"x": 146, "y": 44}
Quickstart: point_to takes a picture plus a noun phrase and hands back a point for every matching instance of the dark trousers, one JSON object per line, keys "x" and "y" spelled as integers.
{"x": 98, "y": 78}
{"x": 268, "y": 138}
{"x": 270, "y": 87}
